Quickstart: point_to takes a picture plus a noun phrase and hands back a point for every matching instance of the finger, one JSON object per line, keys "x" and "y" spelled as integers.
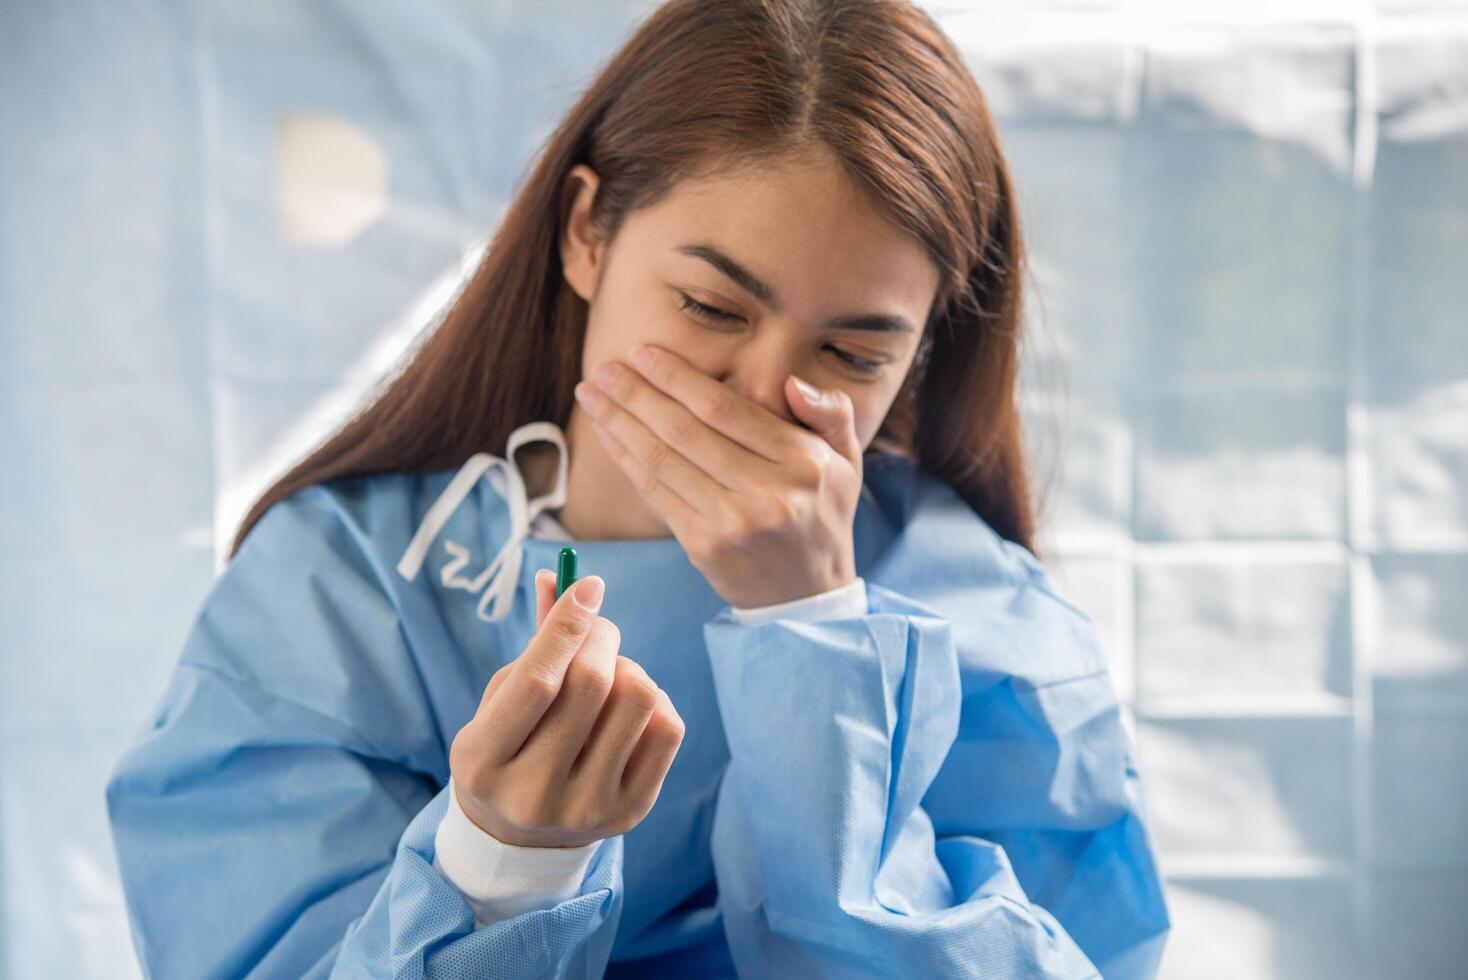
{"x": 545, "y": 597}
{"x": 829, "y": 415}
{"x": 724, "y": 410}
{"x": 632, "y": 700}
{"x": 697, "y": 488}
{"x": 545, "y": 594}
{"x": 703, "y": 460}
{"x": 534, "y": 679}
{"x": 561, "y": 734}
{"x": 653, "y": 755}
{"x": 494, "y": 685}
{"x": 674, "y": 510}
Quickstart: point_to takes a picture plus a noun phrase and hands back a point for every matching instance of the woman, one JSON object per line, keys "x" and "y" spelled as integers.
{"x": 823, "y": 712}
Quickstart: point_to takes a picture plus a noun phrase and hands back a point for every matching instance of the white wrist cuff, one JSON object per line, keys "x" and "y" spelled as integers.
{"x": 844, "y": 600}
{"x": 502, "y": 880}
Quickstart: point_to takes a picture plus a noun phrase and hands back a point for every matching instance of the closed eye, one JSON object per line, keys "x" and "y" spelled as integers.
{"x": 693, "y": 306}
{"x": 865, "y": 367}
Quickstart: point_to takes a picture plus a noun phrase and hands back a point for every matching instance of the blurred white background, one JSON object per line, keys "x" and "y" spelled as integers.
{"x": 1249, "y": 228}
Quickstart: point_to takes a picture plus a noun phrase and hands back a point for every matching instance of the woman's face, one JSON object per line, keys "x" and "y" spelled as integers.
{"x": 794, "y": 266}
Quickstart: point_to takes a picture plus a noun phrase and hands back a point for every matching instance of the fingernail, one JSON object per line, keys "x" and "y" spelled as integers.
{"x": 587, "y": 593}
{"x": 810, "y": 393}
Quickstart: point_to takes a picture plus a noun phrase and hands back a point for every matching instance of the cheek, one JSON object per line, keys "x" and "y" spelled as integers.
{"x": 620, "y": 329}
{"x": 616, "y": 323}
{"x": 870, "y": 408}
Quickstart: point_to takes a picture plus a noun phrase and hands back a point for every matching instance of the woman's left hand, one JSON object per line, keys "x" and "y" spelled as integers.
{"x": 763, "y": 508}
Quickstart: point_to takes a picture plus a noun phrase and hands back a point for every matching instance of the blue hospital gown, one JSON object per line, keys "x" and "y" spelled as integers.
{"x": 940, "y": 787}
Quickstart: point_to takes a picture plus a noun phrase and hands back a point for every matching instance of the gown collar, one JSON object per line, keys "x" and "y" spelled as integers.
{"x": 497, "y": 583}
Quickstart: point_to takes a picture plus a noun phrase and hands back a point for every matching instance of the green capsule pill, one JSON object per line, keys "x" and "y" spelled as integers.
{"x": 565, "y": 570}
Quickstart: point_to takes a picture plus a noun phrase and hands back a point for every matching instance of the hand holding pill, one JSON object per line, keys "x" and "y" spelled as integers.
{"x": 571, "y": 741}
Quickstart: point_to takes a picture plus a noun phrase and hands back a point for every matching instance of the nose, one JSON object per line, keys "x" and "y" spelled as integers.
{"x": 757, "y": 371}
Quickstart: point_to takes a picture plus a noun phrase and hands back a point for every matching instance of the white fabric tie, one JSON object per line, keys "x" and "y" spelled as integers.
{"x": 496, "y": 584}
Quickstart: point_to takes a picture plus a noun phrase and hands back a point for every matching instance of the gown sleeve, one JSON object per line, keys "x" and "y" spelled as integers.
{"x": 500, "y": 880}
{"x": 277, "y": 814}
{"x": 914, "y": 795}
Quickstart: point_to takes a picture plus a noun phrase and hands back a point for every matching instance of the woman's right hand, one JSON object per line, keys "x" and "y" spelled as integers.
{"x": 571, "y": 740}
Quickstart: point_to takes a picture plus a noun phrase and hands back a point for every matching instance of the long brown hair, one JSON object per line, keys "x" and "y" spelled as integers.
{"x": 700, "y": 84}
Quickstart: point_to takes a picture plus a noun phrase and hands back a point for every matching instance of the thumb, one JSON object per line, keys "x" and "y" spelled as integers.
{"x": 829, "y": 414}
{"x": 566, "y": 625}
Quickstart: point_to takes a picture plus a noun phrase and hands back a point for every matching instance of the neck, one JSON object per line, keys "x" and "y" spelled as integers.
{"x": 601, "y": 503}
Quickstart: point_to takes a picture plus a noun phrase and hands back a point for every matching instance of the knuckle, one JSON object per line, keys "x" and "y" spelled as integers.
{"x": 581, "y": 816}
{"x": 706, "y": 547}
{"x": 638, "y": 692}
{"x": 540, "y": 684}
{"x": 461, "y": 761}
{"x": 629, "y": 666}
{"x": 638, "y": 801}
{"x": 657, "y": 455}
{"x": 667, "y": 724}
{"x": 720, "y": 408}
{"x": 622, "y": 823}
{"x": 622, "y": 388}
{"x": 470, "y": 774}
{"x": 647, "y": 483}
{"x": 808, "y": 467}
{"x": 661, "y": 370}
{"x": 699, "y": 548}
{"x": 783, "y": 509}
{"x": 605, "y": 632}
{"x": 683, "y": 428}
{"x": 739, "y": 525}
{"x": 586, "y": 678}
{"x": 572, "y": 625}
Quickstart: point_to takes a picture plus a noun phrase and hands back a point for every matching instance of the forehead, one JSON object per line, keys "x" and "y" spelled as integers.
{"x": 803, "y": 226}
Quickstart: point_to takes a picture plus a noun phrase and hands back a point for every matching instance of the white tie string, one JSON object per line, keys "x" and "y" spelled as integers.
{"x": 498, "y": 581}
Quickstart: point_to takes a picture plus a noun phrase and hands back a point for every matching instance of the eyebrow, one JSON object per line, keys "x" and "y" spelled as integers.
{"x": 761, "y": 290}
